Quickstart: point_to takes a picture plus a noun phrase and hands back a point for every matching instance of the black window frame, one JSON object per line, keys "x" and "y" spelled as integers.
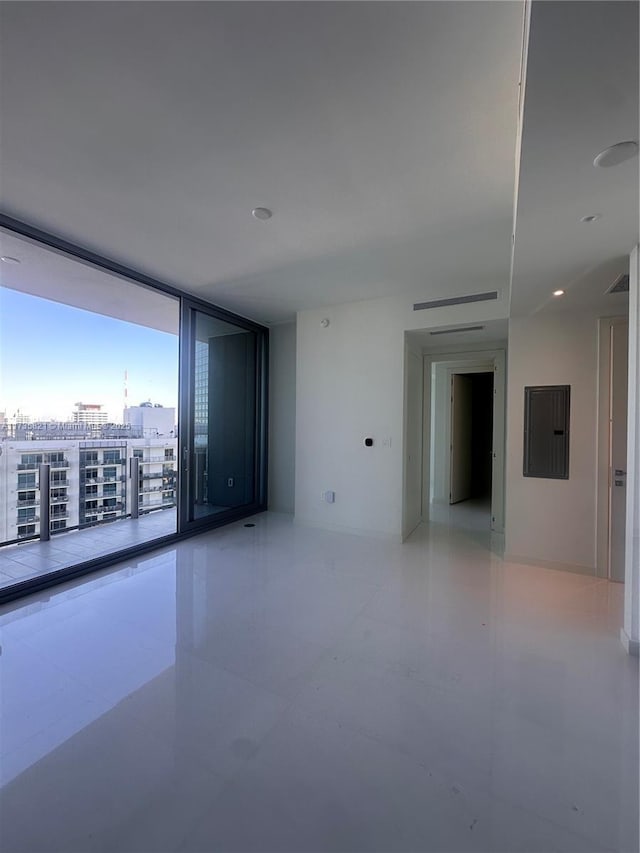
{"x": 186, "y": 303}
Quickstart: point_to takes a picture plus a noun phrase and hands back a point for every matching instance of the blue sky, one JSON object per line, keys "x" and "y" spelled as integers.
{"x": 53, "y": 355}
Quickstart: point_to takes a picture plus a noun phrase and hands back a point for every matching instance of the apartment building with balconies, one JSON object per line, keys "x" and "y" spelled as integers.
{"x": 90, "y": 482}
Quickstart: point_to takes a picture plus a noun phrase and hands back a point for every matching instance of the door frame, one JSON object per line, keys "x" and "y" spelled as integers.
{"x": 186, "y": 438}
{"x": 469, "y": 362}
{"x": 605, "y": 325}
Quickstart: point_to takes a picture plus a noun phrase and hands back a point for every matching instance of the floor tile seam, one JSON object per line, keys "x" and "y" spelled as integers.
{"x": 26, "y": 743}
{"x": 44, "y": 728}
{"x": 97, "y": 693}
{"x": 381, "y": 741}
{"x": 197, "y": 755}
{"x": 297, "y": 634}
{"x": 329, "y": 573}
{"x": 242, "y": 677}
{"x": 593, "y": 842}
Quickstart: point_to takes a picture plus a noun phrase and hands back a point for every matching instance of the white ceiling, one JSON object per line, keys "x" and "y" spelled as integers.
{"x": 381, "y": 134}
{"x": 581, "y": 96}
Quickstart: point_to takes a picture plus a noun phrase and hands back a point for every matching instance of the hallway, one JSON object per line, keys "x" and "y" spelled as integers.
{"x": 281, "y": 688}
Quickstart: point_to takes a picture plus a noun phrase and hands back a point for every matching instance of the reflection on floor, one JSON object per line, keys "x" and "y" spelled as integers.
{"x": 471, "y": 519}
{"x": 472, "y": 514}
{"x": 30, "y": 559}
{"x": 278, "y": 688}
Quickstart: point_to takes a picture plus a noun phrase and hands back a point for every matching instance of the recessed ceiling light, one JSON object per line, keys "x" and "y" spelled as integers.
{"x": 558, "y": 292}
{"x": 6, "y": 259}
{"x": 262, "y": 213}
{"x": 615, "y": 154}
{"x": 593, "y": 217}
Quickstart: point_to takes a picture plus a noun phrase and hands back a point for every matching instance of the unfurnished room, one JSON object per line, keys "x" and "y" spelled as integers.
{"x": 319, "y": 426}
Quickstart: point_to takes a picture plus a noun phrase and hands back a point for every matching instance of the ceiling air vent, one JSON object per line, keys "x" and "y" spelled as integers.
{"x": 457, "y": 300}
{"x": 458, "y": 329}
{"x": 620, "y": 285}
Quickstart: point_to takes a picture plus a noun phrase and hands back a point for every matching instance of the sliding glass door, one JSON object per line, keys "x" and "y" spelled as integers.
{"x": 96, "y": 461}
{"x": 223, "y": 390}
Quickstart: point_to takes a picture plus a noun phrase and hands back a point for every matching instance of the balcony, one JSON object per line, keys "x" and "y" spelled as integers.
{"x": 119, "y": 478}
{"x": 63, "y": 463}
{"x": 72, "y": 546}
{"x": 25, "y": 535}
{"x": 152, "y": 476}
{"x": 28, "y": 501}
{"x": 28, "y": 466}
{"x": 30, "y": 519}
{"x": 55, "y": 516}
{"x": 62, "y": 500}
{"x": 101, "y": 507}
{"x": 156, "y": 459}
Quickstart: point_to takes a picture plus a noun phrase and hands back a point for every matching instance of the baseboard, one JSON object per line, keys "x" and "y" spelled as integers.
{"x": 632, "y": 647}
{"x": 575, "y": 568}
{"x": 355, "y": 531}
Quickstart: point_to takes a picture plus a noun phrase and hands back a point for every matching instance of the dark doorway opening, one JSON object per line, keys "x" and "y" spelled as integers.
{"x": 472, "y": 437}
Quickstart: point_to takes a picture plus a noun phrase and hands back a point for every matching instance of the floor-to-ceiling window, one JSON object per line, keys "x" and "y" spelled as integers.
{"x": 96, "y": 433}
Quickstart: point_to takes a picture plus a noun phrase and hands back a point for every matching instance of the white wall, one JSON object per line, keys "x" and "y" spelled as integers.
{"x": 631, "y": 629}
{"x": 350, "y": 384}
{"x": 282, "y": 416}
{"x": 554, "y": 520}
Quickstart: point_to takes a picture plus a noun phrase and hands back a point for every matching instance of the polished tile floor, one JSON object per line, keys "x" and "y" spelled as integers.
{"x": 278, "y": 688}
{"x": 32, "y": 558}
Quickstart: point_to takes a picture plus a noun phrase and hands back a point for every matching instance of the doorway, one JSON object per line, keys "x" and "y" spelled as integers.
{"x": 471, "y": 438}
{"x": 463, "y": 476}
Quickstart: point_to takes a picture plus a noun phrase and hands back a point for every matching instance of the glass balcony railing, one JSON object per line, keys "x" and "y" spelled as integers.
{"x": 28, "y": 466}
{"x": 30, "y": 519}
{"x": 93, "y": 510}
{"x": 62, "y": 463}
{"x": 95, "y": 463}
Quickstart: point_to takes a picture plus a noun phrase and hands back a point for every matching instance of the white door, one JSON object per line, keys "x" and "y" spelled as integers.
{"x": 618, "y": 361}
{"x": 460, "y": 489}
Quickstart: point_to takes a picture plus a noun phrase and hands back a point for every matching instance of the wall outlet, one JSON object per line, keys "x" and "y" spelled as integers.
{"x": 329, "y": 497}
{"x": 230, "y": 482}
